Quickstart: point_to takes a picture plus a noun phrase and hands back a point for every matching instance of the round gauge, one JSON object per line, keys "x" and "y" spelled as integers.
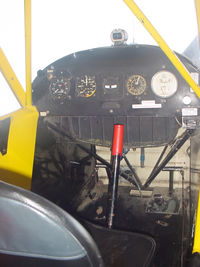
{"x": 136, "y": 84}
{"x": 85, "y": 86}
{"x": 59, "y": 87}
{"x": 164, "y": 84}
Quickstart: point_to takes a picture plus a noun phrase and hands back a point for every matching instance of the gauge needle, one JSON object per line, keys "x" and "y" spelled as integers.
{"x": 137, "y": 82}
{"x": 163, "y": 90}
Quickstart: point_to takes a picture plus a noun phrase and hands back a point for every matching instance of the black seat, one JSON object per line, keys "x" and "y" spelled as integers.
{"x": 122, "y": 248}
{"x": 194, "y": 260}
{"x": 36, "y": 232}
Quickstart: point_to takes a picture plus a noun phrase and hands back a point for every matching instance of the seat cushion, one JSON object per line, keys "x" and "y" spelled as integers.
{"x": 121, "y": 248}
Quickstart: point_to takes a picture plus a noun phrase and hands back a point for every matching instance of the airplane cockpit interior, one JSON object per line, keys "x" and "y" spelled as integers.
{"x": 81, "y": 98}
{"x": 99, "y": 167}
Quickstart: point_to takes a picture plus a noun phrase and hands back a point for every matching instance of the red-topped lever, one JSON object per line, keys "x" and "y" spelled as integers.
{"x": 118, "y": 135}
{"x": 117, "y": 148}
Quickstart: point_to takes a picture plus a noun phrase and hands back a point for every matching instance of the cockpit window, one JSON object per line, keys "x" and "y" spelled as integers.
{"x": 175, "y": 21}
{"x": 63, "y": 27}
{"x": 71, "y": 26}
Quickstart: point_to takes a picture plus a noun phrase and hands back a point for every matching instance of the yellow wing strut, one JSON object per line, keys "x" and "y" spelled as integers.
{"x": 197, "y": 5}
{"x": 163, "y": 45}
{"x": 11, "y": 79}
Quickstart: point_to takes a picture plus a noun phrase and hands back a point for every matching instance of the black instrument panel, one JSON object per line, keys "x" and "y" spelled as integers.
{"x": 113, "y": 80}
{"x": 130, "y": 82}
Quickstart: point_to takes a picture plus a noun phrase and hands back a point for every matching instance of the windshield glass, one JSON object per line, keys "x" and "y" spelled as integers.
{"x": 71, "y": 26}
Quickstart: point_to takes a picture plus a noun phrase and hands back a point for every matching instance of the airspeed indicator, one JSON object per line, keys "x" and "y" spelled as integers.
{"x": 85, "y": 86}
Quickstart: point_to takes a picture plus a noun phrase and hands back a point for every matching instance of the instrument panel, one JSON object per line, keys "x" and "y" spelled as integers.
{"x": 115, "y": 75}
{"x": 133, "y": 84}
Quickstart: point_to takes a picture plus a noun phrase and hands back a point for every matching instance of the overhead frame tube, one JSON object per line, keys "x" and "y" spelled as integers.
{"x": 163, "y": 45}
{"x": 11, "y": 79}
{"x": 197, "y": 5}
{"x": 27, "y": 17}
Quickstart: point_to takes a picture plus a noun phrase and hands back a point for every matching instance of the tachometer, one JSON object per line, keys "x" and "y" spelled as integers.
{"x": 59, "y": 87}
{"x": 85, "y": 86}
{"x": 164, "y": 84}
{"x": 136, "y": 84}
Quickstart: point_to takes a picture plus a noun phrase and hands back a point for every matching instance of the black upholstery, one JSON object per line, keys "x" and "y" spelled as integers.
{"x": 121, "y": 248}
{"x": 36, "y": 232}
{"x": 195, "y": 260}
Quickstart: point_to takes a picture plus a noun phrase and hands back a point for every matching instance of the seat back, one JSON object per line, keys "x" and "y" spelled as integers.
{"x": 36, "y": 232}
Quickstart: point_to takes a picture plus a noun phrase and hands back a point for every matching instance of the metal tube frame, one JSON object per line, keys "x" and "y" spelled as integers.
{"x": 197, "y": 5}
{"x": 11, "y": 79}
{"x": 27, "y": 17}
{"x": 24, "y": 98}
{"x": 186, "y": 135}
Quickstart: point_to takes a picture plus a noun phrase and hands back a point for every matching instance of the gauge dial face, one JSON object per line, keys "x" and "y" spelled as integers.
{"x": 136, "y": 84}
{"x": 85, "y": 86}
{"x": 164, "y": 84}
{"x": 59, "y": 87}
